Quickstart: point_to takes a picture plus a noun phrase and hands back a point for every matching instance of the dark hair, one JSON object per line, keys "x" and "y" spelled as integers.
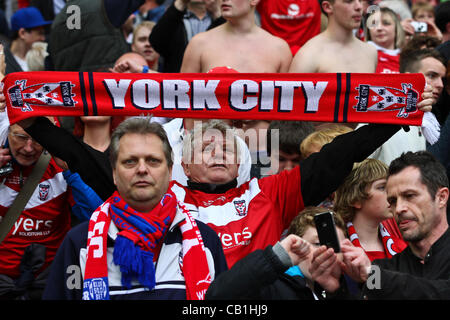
{"x": 420, "y": 41}
{"x": 139, "y": 125}
{"x": 291, "y": 135}
{"x": 320, "y": 5}
{"x": 432, "y": 172}
{"x": 442, "y": 16}
{"x": 410, "y": 61}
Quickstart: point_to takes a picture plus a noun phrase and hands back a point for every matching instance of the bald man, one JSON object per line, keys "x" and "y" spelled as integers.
{"x": 131, "y": 62}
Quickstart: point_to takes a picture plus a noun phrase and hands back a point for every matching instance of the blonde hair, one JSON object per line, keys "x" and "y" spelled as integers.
{"x": 421, "y": 6}
{"x": 145, "y": 24}
{"x": 355, "y": 186}
{"x": 35, "y": 57}
{"x": 321, "y": 137}
{"x": 399, "y": 32}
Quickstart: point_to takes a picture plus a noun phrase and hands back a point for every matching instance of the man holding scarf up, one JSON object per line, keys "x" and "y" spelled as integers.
{"x": 140, "y": 243}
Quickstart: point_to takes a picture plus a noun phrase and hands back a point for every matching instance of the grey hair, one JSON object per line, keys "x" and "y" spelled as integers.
{"x": 139, "y": 125}
{"x": 198, "y": 132}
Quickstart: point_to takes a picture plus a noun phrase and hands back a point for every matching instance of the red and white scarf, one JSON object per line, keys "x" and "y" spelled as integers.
{"x": 390, "y": 247}
{"x": 143, "y": 231}
{"x": 325, "y": 97}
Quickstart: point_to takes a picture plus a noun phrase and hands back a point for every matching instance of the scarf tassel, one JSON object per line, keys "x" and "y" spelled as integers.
{"x": 134, "y": 263}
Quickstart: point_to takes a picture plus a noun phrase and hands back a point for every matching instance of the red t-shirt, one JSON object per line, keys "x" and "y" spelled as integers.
{"x": 295, "y": 21}
{"x": 388, "y": 60}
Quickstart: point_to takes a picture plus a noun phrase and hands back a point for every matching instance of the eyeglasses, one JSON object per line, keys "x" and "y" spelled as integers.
{"x": 22, "y": 139}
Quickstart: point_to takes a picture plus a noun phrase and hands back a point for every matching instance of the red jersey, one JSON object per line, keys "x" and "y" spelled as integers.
{"x": 250, "y": 216}
{"x": 45, "y": 219}
{"x": 388, "y": 60}
{"x": 295, "y": 21}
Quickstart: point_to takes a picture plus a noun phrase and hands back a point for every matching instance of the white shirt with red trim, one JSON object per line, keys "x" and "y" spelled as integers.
{"x": 45, "y": 219}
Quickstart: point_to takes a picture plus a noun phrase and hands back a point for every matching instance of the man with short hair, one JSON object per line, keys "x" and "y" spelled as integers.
{"x": 417, "y": 192}
{"x": 141, "y": 243}
{"x": 428, "y": 62}
{"x": 30, "y": 246}
{"x": 252, "y": 48}
{"x": 337, "y": 49}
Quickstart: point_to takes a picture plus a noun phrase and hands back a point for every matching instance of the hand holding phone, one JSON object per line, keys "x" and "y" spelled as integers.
{"x": 326, "y": 230}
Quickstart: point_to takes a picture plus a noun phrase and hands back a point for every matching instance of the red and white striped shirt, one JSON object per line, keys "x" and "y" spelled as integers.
{"x": 45, "y": 219}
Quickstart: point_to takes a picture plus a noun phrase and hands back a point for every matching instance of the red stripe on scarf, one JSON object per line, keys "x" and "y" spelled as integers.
{"x": 195, "y": 265}
{"x": 346, "y": 97}
{"x": 390, "y": 246}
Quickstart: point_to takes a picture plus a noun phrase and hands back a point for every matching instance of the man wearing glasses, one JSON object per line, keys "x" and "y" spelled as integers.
{"x": 29, "y": 247}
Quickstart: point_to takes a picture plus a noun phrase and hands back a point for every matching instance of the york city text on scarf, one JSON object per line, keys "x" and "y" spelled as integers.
{"x": 334, "y": 97}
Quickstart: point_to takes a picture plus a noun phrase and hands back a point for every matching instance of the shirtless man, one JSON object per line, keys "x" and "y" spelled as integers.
{"x": 239, "y": 43}
{"x": 337, "y": 49}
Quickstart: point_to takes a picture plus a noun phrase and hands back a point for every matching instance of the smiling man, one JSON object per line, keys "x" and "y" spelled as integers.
{"x": 30, "y": 246}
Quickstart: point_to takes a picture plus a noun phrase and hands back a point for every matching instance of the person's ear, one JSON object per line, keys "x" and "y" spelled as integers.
{"x": 442, "y": 197}
{"x": 327, "y": 7}
{"x": 186, "y": 169}
{"x": 21, "y": 33}
{"x": 357, "y": 205}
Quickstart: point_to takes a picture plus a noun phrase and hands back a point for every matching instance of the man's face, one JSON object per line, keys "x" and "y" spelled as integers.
{"x": 141, "y": 45}
{"x": 347, "y": 13}
{"x": 23, "y": 148}
{"x": 434, "y": 71}
{"x": 415, "y": 211}
{"x": 214, "y": 159}
{"x": 236, "y": 8}
{"x": 141, "y": 174}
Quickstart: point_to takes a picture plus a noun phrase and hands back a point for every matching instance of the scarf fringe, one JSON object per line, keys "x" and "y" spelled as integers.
{"x": 430, "y": 127}
{"x": 134, "y": 263}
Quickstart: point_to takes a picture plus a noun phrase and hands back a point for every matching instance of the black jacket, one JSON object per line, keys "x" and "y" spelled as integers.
{"x": 169, "y": 38}
{"x": 404, "y": 276}
{"x": 92, "y": 165}
{"x": 259, "y": 276}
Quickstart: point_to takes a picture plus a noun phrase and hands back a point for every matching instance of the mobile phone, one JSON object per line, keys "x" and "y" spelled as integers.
{"x": 419, "y": 26}
{"x": 326, "y": 230}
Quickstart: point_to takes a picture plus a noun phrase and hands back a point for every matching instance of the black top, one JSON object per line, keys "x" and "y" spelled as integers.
{"x": 405, "y": 276}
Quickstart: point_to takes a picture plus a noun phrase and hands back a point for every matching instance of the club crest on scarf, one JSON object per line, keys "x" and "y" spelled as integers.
{"x": 378, "y": 98}
{"x": 42, "y": 94}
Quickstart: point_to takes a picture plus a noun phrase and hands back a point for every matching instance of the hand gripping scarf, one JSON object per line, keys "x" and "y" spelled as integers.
{"x": 325, "y": 97}
{"x": 390, "y": 248}
{"x": 137, "y": 246}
